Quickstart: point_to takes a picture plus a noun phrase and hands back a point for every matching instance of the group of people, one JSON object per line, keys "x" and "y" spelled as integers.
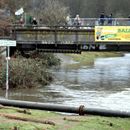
{"x": 104, "y": 18}
{"x": 77, "y": 21}
{"x": 31, "y": 21}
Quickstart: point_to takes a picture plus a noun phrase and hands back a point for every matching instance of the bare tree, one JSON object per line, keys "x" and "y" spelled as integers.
{"x": 53, "y": 12}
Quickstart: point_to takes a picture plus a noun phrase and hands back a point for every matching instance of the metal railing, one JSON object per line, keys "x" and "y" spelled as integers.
{"x": 91, "y": 22}
{"x": 83, "y": 23}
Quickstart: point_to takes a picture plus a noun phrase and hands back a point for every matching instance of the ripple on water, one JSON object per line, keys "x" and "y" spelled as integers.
{"x": 106, "y": 85}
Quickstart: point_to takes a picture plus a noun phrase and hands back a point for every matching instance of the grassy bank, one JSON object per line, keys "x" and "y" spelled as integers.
{"x": 89, "y": 57}
{"x": 20, "y": 119}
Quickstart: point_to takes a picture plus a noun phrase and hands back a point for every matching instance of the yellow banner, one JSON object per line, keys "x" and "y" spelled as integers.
{"x": 112, "y": 33}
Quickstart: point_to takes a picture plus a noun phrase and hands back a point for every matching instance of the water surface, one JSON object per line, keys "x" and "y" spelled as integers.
{"x": 106, "y": 84}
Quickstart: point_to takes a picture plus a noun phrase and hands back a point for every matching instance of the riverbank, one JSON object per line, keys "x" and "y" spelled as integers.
{"x": 87, "y": 58}
{"x": 24, "y": 119}
{"x": 28, "y": 70}
{"x": 84, "y": 59}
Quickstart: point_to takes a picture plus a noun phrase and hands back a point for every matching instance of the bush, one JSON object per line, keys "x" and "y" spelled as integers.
{"x": 28, "y": 72}
{"x": 25, "y": 73}
{"x": 47, "y": 59}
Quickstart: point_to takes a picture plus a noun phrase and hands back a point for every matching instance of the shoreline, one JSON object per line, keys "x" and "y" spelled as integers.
{"x": 75, "y": 61}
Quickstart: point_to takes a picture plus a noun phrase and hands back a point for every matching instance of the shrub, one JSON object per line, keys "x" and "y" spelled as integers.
{"x": 25, "y": 73}
{"x": 28, "y": 72}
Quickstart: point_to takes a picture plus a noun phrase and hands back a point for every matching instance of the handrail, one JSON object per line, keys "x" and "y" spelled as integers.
{"x": 84, "y": 22}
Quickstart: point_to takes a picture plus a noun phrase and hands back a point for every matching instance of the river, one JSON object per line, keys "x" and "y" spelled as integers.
{"x": 105, "y": 84}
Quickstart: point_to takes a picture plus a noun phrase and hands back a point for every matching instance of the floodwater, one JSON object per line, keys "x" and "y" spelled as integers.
{"x": 106, "y": 84}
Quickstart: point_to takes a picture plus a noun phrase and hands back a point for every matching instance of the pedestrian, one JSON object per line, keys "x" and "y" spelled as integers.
{"x": 102, "y": 19}
{"x": 21, "y": 20}
{"x": 110, "y": 19}
{"x": 129, "y": 20}
{"x": 68, "y": 20}
{"x": 34, "y": 22}
{"x": 77, "y": 20}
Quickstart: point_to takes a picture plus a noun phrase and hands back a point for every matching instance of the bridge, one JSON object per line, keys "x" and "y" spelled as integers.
{"x": 67, "y": 38}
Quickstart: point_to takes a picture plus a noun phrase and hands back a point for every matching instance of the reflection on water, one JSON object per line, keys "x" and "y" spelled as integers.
{"x": 106, "y": 84}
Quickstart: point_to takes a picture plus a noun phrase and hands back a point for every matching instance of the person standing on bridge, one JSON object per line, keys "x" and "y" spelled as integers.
{"x": 21, "y": 21}
{"x": 77, "y": 20}
{"x": 110, "y": 19}
{"x": 129, "y": 20}
{"x": 34, "y": 22}
{"x": 102, "y": 19}
{"x": 68, "y": 20}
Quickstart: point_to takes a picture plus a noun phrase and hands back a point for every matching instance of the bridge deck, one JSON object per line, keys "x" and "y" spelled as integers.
{"x": 72, "y": 39}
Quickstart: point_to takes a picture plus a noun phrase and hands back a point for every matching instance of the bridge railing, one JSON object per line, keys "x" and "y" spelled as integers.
{"x": 84, "y": 23}
{"x": 91, "y": 22}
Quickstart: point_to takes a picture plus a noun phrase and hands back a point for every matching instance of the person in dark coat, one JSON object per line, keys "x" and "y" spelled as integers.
{"x": 34, "y": 22}
{"x": 102, "y": 19}
{"x": 110, "y": 19}
{"x": 129, "y": 20}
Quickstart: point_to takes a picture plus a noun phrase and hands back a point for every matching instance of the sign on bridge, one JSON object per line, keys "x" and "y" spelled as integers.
{"x": 112, "y": 33}
{"x": 7, "y": 43}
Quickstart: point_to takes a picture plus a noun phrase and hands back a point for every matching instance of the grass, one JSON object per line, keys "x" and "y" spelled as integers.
{"x": 87, "y": 58}
{"x": 62, "y": 122}
{"x": 104, "y": 123}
